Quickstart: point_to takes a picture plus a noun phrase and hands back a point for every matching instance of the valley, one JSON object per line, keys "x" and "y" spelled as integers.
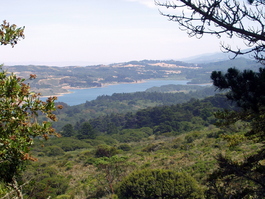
{"x": 58, "y": 80}
{"x": 106, "y": 141}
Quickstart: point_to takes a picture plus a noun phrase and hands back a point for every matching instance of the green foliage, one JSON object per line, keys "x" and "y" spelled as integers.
{"x": 86, "y": 131}
{"x": 125, "y": 147}
{"x": 68, "y": 130}
{"x": 174, "y": 119}
{"x": 54, "y": 151}
{"x": 105, "y": 151}
{"x": 130, "y": 135}
{"x": 19, "y": 109}
{"x": 245, "y": 178}
{"x": 10, "y": 34}
{"x": 193, "y": 136}
{"x": 245, "y": 88}
{"x": 238, "y": 179}
{"x": 45, "y": 182}
{"x": 119, "y": 103}
{"x": 107, "y": 139}
{"x": 159, "y": 184}
{"x": 113, "y": 168}
{"x": 65, "y": 143}
{"x": 153, "y": 147}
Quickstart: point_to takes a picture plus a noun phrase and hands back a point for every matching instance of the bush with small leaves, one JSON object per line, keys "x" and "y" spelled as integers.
{"x": 164, "y": 184}
{"x": 105, "y": 151}
{"x": 19, "y": 109}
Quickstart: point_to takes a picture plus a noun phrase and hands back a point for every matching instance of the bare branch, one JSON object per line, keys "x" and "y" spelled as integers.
{"x": 222, "y": 17}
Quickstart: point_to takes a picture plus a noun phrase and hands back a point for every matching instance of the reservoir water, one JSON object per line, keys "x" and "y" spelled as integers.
{"x": 79, "y": 96}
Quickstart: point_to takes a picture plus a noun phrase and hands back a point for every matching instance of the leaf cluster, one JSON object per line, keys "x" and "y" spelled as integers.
{"x": 19, "y": 109}
{"x": 10, "y": 34}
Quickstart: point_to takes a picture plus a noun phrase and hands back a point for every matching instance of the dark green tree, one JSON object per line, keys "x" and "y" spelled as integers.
{"x": 68, "y": 130}
{"x": 241, "y": 179}
{"x": 106, "y": 151}
{"x": 245, "y": 88}
{"x": 244, "y": 20}
{"x": 86, "y": 131}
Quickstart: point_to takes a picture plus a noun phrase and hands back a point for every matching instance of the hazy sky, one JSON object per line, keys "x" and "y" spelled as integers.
{"x": 86, "y": 32}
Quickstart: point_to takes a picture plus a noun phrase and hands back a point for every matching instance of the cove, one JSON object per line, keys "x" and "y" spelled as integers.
{"x": 79, "y": 96}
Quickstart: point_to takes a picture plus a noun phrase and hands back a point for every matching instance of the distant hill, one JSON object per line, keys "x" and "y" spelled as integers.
{"x": 213, "y": 57}
{"x": 57, "y": 80}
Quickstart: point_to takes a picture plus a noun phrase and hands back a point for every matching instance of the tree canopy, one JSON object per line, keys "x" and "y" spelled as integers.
{"x": 19, "y": 110}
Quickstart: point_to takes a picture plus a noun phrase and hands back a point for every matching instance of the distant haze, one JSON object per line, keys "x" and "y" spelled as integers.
{"x": 67, "y": 32}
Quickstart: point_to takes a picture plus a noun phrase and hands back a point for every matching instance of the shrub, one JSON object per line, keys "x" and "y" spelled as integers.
{"x": 54, "y": 151}
{"x": 106, "y": 151}
{"x": 125, "y": 147}
{"x": 146, "y": 184}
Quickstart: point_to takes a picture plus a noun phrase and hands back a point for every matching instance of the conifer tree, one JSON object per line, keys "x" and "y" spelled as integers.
{"x": 244, "y": 20}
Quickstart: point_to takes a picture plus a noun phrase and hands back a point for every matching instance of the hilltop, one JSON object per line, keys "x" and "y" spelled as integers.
{"x": 58, "y": 80}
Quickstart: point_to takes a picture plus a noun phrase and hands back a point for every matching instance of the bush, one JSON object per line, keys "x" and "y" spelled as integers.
{"x": 146, "y": 184}
{"x": 71, "y": 144}
{"x": 54, "y": 151}
{"x": 153, "y": 147}
{"x": 125, "y": 147}
{"x": 105, "y": 151}
{"x": 107, "y": 139}
{"x": 130, "y": 135}
{"x": 45, "y": 182}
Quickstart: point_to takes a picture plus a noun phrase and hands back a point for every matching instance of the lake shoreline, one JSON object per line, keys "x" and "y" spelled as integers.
{"x": 83, "y": 95}
{"x": 102, "y": 86}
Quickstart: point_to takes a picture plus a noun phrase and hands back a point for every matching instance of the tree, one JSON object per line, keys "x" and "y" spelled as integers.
{"x": 68, "y": 130}
{"x": 245, "y": 88}
{"x": 19, "y": 109}
{"x": 86, "y": 131}
{"x": 222, "y": 17}
{"x": 162, "y": 184}
{"x": 245, "y": 178}
{"x": 112, "y": 170}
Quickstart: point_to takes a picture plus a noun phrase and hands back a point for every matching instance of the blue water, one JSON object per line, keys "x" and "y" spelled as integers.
{"x": 79, "y": 96}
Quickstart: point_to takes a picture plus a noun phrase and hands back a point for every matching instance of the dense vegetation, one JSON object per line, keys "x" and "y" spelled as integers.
{"x": 93, "y": 165}
{"x": 173, "y": 137}
{"x": 93, "y": 157}
{"x": 169, "y": 132}
{"x": 129, "y": 102}
{"x": 150, "y": 145}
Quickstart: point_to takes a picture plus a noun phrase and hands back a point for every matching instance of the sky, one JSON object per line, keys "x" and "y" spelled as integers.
{"x": 88, "y": 32}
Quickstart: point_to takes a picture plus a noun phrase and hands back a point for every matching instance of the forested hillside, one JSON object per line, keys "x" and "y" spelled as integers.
{"x": 164, "y": 131}
{"x": 95, "y": 156}
{"x": 130, "y": 102}
{"x": 56, "y": 80}
{"x": 174, "y": 141}
{"x": 108, "y": 141}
